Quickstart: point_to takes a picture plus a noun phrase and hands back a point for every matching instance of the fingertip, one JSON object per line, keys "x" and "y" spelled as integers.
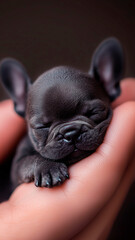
{"x": 127, "y": 92}
{"x": 120, "y": 137}
{"x": 12, "y": 127}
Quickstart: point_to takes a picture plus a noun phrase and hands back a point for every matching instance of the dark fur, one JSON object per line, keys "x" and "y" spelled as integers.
{"x": 67, "y": 113}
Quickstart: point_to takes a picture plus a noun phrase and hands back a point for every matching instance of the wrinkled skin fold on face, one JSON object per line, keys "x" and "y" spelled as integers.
{"x": 83, "y": 135}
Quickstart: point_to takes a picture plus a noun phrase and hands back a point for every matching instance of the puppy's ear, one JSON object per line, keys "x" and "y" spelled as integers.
{"x": 108, "y": 66}
{"x": 16, "y": 82}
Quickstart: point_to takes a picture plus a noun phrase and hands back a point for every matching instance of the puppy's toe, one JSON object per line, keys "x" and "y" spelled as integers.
{"x": 58, "y": 174}
{"x": 64, "y": 170}
{"x": 57, "y": 177}
{"x": 46, "y": 180}
{"x": 37, "y": 179}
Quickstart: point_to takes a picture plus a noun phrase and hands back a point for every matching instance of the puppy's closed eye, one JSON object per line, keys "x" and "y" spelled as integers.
{"x": 42, "y": 126}
{"x": 99, "y": 114}
{"x": 95, "y": 110}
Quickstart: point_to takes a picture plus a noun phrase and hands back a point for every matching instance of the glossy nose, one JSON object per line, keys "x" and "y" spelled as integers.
{"x": 71, "y": 134}
{"x": 71, "y": 131}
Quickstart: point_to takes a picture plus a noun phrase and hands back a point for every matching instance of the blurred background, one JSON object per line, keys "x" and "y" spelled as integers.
{"x": 43, "y": 34}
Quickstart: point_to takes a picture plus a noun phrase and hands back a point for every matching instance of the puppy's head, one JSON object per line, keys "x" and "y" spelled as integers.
{"x": 67, "y": 111}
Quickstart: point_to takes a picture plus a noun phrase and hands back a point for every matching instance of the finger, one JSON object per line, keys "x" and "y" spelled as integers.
{"x": 100, "y": 226}
{"x": 127, "y": 92}
{"x": 93, "y": 181}
{"x": 12, "y": 128}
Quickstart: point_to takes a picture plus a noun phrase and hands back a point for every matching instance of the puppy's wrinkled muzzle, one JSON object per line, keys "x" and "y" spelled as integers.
{"x": 63, "y": 138}
{"x": 71, "y": 131}
{"x": 77, "y": 135}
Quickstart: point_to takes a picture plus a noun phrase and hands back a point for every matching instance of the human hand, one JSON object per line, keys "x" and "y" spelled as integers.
{"x": 12, "y": 128}
{"x": 85, "y": 206}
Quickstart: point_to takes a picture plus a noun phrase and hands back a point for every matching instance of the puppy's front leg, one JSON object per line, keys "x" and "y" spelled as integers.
{"x": 48, "y": 173}
{"x": 30, "y": 166}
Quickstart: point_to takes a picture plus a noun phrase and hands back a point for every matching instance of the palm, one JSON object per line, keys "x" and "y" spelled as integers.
{"x": 96, "y": 188}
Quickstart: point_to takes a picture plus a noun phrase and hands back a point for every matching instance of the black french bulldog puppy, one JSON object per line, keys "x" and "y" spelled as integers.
{"x": 67, "y": 113}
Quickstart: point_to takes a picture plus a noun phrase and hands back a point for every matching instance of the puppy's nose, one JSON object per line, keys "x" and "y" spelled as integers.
{"x": 71, "y": 132}
{"x": 71, "y": 135}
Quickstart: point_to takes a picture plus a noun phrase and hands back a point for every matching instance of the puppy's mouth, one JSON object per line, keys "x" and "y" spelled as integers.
{"x": 78, "y": 153}
{"x": 76, "y": 156}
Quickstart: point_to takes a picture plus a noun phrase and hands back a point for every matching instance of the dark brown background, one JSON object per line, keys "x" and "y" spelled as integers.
{"x": 42, "y": 34}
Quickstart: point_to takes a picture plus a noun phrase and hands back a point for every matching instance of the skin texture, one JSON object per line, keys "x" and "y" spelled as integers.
{"x": 15, "y": 133}
{"x": 72, "y": 211}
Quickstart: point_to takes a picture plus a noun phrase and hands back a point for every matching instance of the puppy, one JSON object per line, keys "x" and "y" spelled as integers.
{"x": 67, "y": 113}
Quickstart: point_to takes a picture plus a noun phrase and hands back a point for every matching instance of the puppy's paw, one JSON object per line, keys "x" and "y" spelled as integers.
{"x": 50, "y": 175}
